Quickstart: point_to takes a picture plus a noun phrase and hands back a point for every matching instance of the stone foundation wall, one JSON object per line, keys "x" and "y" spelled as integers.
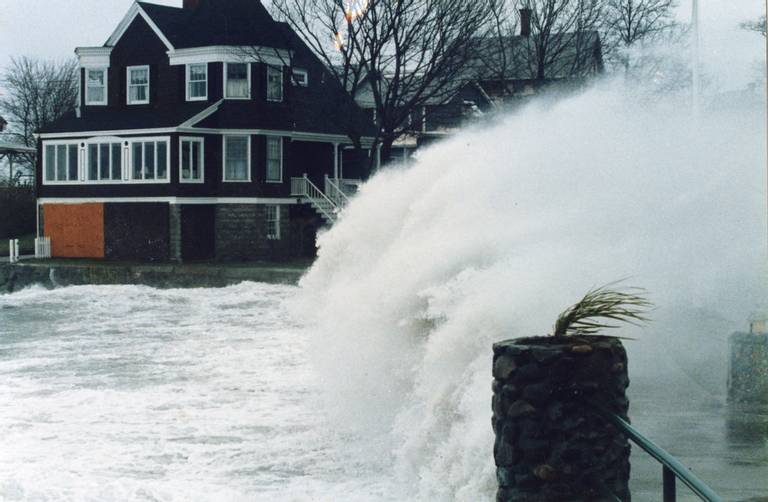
{"x": 174, "y": 232}
{"x": 550, "y": 445}
{"x": 241, "y": 233}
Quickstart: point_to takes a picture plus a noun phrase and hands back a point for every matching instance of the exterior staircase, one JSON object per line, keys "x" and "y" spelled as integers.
{"x": 329, "y": 202}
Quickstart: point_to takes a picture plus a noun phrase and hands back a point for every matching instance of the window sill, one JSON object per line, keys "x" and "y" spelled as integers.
{"x": 236, "y": 181}
{"x": 191, "y": 182}
{"x": 240, "y": 99}
{"x": 205, "y": 98}
{"x": 275, "y": 182}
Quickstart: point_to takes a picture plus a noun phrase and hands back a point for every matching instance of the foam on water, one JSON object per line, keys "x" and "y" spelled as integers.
{"x": 491, "y": 233}
{"x": 133, "y": 394}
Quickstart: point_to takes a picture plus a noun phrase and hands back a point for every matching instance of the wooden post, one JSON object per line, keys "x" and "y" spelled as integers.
{"x": 336, "y": 162}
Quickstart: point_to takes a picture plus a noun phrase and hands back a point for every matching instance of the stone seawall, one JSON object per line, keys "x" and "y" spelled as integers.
{"x": 14, "y": 277}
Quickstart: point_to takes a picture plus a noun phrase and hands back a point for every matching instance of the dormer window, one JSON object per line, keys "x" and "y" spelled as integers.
{"x": 138, "y": 85}
{"x": 197, "y": 82}
{"x": 96, "y": 86}
{"x": 274, "y": 83}
{"x": 237, "y": 80}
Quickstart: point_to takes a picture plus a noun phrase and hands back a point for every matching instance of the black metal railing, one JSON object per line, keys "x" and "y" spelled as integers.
{"x": 672, "y": 469}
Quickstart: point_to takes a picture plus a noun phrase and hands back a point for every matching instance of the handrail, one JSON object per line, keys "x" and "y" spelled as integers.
{"x": 672, "y": 468}
{"x": 336, "y": 191}
{"x": 313, "y": 193}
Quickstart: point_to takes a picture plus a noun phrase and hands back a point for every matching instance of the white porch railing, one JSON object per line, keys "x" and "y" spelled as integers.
{"x": 303, "y": 187}
{"x": 335, "y": 192}
{"x": 43, "y": 247}
{"x": 13, "y": 250}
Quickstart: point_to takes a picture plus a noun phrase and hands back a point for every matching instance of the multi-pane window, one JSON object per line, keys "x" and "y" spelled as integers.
{"x": 236, "y": 158}
{"x": 274, "y": 83}
{"x": 149, "y": 161}
{"x": 96, "y": 86}
{"x": 105, "y": 161}
{"x": 272, "y": 222}
{"x": 138, "y": 85}
{"x": 274, "y": 159}
{"x": 61, "y": 162}
{"x": 300, "y": 77}
{"x": 197, "y": 82}
{"x": 237, "y": 82}
{"x": 191, "y": 160}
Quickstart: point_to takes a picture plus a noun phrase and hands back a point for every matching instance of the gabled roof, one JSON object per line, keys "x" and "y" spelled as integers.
{"x": 127, "y": 119}
{"x": 514, "y": 57}
{"x": 214, "y": 23}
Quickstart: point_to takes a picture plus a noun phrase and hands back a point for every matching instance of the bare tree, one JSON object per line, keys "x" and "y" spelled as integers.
{"x": 402, "y": 53}
{"x": 756, "y": 25}
{"x": 37, "y": 93}
{"x": 632, "y": 22}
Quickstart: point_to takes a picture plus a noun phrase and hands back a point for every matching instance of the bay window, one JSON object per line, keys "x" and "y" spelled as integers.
{"x": 96, "y": 86}
{"x": 61, "y": 162}
{"x": 274, "y": 83}
{"x": 237, "y": 158}
{"x": 105, "y": 161}
{"x": 138, "y": 85}
{"x": 197, "y": 82}
{"x": 237, "y": 80}
{"x": 274, "y": 159}
{"x": 191, "y": 160}
{"x": 149, "y": 160}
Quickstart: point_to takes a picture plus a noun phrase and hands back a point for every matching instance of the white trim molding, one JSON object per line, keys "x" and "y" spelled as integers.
{"x": 188, "y": 82}
{"x": 224, "y": 158}
{"x": 201, "y": 116}
{"x": 105, "y": 100}
{"x": 125, "y": 23}
{"x": 190, "y": 140}
{"x": 229, "y": 54}
{"x": 93, "y": 57}
{"x": 266, "y": 160}
{"x": 366, "y": 142}
{"x": 224, "y": 79}
{"x": 172, "y": 200}
{"x": 128, "y": 84}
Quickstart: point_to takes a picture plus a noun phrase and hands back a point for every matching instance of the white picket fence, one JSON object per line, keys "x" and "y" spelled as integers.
{"x": 14, "y": 250}
{"x": 43, "y": 247}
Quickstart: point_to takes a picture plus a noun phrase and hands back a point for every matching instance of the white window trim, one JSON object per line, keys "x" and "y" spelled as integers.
{"x": 188, "y": 82}
{"x": 190, "y": 139}
{"x": 106, "y": 88}
{"x": 300, "y": 71}
{"x": 128, "y": 84}
{"x": 280, "y": 138}
{"x": 277, "y": 236}
{"x": 128, "y": 172}
{"x": 55, "y": 143}
{"x": 86, "y": 161}
{"x": 224, "y": 77}
{"x": 282, "y": 83}
{"x": 224, "y": 158}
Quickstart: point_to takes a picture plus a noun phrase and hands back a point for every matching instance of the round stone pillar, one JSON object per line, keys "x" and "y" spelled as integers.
{"x": 550, "y": 444}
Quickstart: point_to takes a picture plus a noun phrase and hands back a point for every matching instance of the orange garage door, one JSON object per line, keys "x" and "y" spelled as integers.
{"x": 76, "y": 230}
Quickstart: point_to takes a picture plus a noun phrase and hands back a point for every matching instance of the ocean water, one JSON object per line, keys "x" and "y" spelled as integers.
{"x": 126, "y": 393}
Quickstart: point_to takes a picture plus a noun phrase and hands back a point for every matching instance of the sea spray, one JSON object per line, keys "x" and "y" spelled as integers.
{"x": 489, "y": 234}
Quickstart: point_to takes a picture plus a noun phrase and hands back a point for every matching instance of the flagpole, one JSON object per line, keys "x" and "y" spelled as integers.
{"x": 696, "y": 59}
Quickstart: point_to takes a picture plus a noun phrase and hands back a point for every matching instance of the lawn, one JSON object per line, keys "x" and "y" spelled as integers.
{"x": 26, "y": 242}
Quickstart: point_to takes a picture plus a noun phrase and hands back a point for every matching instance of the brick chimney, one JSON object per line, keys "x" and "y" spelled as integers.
{"x": 192, "y": 4}
{"x": 525, "y": 22}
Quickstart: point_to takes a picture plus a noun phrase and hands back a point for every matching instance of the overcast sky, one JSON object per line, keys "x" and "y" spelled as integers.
{"x": 53, "y": 28}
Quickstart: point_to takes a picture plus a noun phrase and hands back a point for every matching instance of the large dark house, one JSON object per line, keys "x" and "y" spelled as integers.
{"x": 204, "y": 132}
{"x": 503, "y": 72}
